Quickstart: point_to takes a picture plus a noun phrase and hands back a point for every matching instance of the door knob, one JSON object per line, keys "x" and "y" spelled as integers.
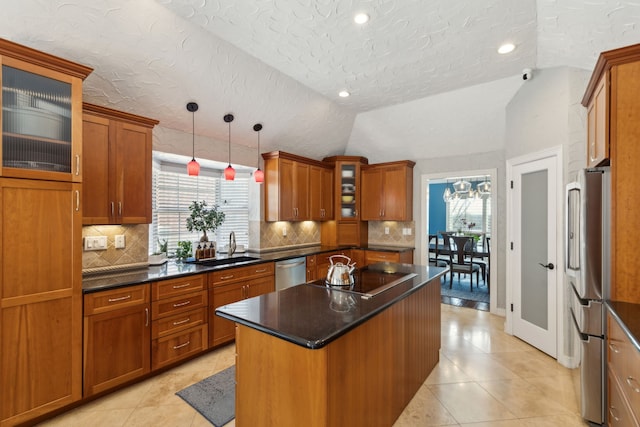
{"x": 550, "y": 266}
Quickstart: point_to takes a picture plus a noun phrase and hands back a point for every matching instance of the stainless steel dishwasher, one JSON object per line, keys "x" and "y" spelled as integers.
{"x": 291, "y": 272}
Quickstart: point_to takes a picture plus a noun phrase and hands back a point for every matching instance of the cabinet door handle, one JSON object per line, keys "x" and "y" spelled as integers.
{"x": 614, "y": 413}
{"x": 614, "y": 348}
{"x": 181, "y": 322}
{"x": 181, "y": 304}
{"x": 77, "y": 200}
{"x": 119, "y": 208}
{"x": 262, "y": 270}
{"x": 230, "y": 276}
{"x": 112, "y": 209}
{"x": 633, "y": 383}
{"x": 119, "y": 298}
{"x": 176, "y": 347}
{"x": 77, "y": 164}
{"x": 181, "y": 286}
{"x": 146, "y": 312}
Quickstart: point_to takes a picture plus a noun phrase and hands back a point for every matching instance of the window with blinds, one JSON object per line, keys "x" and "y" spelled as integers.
{"x": 461, "y": 213}
{"x": 173, "y": 192}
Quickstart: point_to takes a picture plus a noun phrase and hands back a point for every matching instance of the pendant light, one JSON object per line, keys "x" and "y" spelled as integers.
{"x": 229, "y": 172}
{"x": 193, "y": 168}
{"x": 258, "y": 175}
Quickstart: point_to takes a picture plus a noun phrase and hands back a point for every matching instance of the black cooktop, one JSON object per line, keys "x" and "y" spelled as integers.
{"x": 373, "y": 279}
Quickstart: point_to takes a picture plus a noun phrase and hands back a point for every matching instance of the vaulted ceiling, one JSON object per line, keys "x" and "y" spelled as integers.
{"x": 282, "y": 62}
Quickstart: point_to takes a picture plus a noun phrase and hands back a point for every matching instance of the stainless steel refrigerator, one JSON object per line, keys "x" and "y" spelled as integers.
{"x": 587, "y": 269}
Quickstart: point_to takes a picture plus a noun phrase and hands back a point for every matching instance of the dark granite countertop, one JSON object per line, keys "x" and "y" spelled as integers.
{"x": 312, "y": 315}
{"x": 103, "y": 281}
{"x": 628, "y": 316}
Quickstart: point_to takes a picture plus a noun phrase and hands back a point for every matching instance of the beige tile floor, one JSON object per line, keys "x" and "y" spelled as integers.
{"x": 485, "y": 378}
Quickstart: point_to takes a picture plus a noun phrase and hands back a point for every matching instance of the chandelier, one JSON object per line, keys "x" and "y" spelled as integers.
{"x": 463, "y": 189}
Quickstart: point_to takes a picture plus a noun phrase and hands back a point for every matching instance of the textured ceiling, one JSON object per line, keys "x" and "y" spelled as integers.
{"x": 282, "y": 62}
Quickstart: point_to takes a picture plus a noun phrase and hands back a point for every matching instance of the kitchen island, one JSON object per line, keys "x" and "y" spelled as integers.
{"x": 317, "y": 356}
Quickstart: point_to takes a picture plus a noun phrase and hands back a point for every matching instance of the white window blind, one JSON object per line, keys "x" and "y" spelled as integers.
{"x": 174, "y": 191}
{"x": 463, "y": 212}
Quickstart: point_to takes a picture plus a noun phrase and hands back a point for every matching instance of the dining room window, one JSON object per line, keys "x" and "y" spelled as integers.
{"x": 174, "y": 191}
{"x": 470, "y": 214}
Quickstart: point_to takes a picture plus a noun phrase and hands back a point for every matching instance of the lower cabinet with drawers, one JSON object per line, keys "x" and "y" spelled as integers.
{"x": 231, "y": 285}
{"x": 179, "y": 311}
{"x": 116, "y": 337}
{"x": 623, "y": 360}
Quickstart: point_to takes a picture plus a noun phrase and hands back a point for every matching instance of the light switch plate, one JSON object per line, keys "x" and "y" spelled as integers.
{"x": 119, "y": 241}
{"x": 95, "y": 243}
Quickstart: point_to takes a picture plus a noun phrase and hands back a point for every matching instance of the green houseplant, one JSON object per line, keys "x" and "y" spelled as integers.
{"x": 204, "y": 219}
{"x": 183, "y": 251}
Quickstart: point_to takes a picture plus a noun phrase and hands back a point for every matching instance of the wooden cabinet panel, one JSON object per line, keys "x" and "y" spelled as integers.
{"x": 115, "y": 299}
{"x": 286, "y": 187}
{"x": 619, "y": 413}
{"x": 178, "y": 286}
{"x": 232, "y": 285}
{"x": 116, "y": 347}
{"x": 623, "y": 359}
{"x": 52, "y": 149}
{"x": 598, "y": 124}
{"x": 173, "y": 348}
{"x": 118, "y": 190}
{"x": 321, "y": 193}
{"x": 372, "y": 257}
{"x": 40, "y": 298}
{"x": 387, "y": 191}
{"x": 229, "y": 275}
{"x": 312, "y": 272}
{"x": 178, "y": 304}
{"x": 178, "y": 322}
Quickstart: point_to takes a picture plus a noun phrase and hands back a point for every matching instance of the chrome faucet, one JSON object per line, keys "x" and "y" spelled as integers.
{"x": 232, "y": 243}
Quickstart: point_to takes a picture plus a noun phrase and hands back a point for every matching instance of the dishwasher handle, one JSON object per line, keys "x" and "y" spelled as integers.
{"x": 291, "y": 265}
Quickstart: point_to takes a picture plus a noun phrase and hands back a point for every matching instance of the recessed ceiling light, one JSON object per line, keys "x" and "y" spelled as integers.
{"x": 343, "y": 94}
{"x": 506, "y": 48}
{"x": 361, "y": 18}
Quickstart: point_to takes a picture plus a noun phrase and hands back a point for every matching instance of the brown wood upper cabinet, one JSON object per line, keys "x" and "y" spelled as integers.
{"x": 41, "y": 114}
{"x": 295, "y": 188}
{"x": 622, "y": 66}
{"x": 117, "y": 166}
{"x": 598, "y": 124}
{"x": 387, "y": 191}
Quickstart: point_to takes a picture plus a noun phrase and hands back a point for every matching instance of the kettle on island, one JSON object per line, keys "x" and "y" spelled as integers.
{"x": 340, "y": 273}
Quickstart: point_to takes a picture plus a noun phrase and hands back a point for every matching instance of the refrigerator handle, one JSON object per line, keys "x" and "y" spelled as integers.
{"x": 583, "y": 337}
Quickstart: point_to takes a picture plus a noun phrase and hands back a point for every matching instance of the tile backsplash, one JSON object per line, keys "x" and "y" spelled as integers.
{"x": 135, "y": 251}
{"x": 377, "y": 235}
{"x": 285, "y": 234}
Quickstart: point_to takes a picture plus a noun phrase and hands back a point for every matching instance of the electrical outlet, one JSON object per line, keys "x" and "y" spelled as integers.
{"x": 95, "y": 243}
{"x": 120, "y": 241}
{"x": 406, "y": 232}
{"x": 386, "y": 230}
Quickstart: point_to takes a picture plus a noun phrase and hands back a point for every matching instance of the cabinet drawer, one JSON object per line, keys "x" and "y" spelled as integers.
{"x": 232, "y": 274}
{"x": 619, "y": 412}
{"x": 114, "y": 299}
{"x": 624, "y": 361}
{"x": 171, "y": 324}
{"x": 179, "y": 286}
{"x": 179, "y": 304}
{"x": 174, "y": 347}
{"x": 380, "y": 256}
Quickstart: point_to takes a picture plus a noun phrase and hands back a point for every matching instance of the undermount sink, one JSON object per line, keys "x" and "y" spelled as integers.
{"x": 225, "y": 261}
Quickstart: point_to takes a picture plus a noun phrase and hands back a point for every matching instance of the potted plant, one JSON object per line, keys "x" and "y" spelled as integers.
{"x": 159, "y": 256}
{"x": 183, "y": 251}
{"x": 204, "y": 219}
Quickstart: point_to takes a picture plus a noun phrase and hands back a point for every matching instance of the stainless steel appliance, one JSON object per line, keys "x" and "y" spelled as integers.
{"x": 291, "y": 272}
{"x": 587, "y": 268}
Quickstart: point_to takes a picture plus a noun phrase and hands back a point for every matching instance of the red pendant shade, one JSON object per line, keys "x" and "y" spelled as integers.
{"x": 259, "y": 176}
{"x": 193, "y": 168}
{"x": 229, "y": 173}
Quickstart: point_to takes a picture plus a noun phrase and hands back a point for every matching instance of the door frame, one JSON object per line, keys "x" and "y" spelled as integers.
{"x": 553, "y": 152}
{"x": 495, "y": 234}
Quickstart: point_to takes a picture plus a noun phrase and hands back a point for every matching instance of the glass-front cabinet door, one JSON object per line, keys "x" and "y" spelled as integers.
{"x": 41, "y": 117}
{"x": 348, "y": 194}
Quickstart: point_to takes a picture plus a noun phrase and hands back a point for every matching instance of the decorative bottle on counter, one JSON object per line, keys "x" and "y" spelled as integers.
{"x": 199, "y": 253}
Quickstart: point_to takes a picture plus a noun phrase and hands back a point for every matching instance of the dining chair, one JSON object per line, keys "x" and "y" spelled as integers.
{"x": 459, "y": 247}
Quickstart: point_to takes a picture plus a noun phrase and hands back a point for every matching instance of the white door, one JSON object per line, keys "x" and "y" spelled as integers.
{"x": 532, "y": 248}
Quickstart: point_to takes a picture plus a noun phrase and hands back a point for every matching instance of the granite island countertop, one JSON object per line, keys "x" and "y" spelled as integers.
{"x": 312, "y": 315}
{"x": 110, "y": 280}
